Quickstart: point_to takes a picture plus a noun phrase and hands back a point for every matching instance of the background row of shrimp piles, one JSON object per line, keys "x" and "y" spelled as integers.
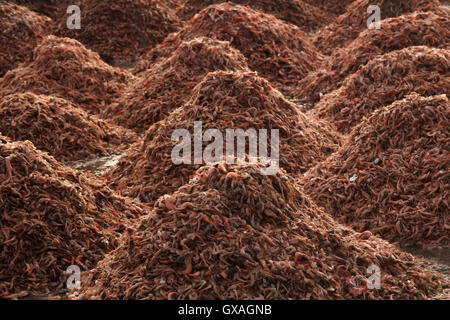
{"x": 386, "y": 91}
{"x": 230, "y": 66}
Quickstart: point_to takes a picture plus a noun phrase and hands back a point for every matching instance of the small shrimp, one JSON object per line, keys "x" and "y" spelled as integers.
{"x": 9, "y": 169}
{"x": 169, "y": 202}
